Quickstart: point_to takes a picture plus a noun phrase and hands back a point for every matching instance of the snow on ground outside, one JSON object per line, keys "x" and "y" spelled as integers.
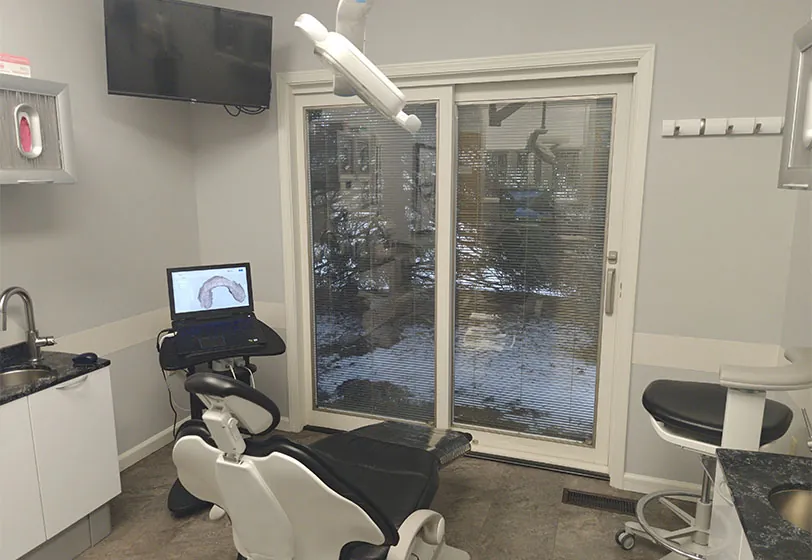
{"x": 535, "y": 381}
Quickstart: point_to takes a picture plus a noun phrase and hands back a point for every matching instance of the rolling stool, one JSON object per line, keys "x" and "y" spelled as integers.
{"x": 691, "y": 415}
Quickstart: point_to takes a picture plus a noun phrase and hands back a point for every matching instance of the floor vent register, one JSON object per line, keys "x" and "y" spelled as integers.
{"x": 601, "y": 502}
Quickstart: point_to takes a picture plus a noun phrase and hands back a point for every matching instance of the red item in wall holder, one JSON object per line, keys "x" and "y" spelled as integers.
{"x": 25, "y": 135}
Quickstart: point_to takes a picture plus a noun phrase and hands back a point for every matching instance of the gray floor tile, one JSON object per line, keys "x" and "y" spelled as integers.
{"x": 584, "y": 534}
{"x": 523, "y": 530}
{"x": 493, "y": 511}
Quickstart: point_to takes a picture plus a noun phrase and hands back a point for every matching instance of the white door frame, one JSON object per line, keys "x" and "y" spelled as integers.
{"x": 440, "y": 95}
{"x": 637, "y": 61}
{"x": 548, "y": 449}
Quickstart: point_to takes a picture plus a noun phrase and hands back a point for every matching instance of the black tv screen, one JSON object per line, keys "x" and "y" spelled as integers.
{"x": 178, "y": 50}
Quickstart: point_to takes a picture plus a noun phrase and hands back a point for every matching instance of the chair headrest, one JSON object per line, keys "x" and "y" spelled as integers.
{"x": 255, "y": 411}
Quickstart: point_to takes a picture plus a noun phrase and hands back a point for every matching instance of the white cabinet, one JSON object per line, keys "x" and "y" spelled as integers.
{"x": 21, "y": 524}
{"x": 75, "y": 445}
{"x": 727, "y": 540}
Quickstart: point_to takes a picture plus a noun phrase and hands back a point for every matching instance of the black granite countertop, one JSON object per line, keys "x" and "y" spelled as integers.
{"x": 752, "y": 477}
{"x": 60, "y": 363}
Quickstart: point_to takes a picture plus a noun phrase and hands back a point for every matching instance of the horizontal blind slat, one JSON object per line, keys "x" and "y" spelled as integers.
{"x": 371, "y": 190}
{"x": 532, "y": 195}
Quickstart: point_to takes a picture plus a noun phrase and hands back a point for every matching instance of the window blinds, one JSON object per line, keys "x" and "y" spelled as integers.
{"x": 371, "y": 187}
{"x": 533, "y": 181}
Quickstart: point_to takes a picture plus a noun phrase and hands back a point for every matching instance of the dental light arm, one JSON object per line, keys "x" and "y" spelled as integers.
{"x": 351, "y": 20}
{"x": 355, "y": 73}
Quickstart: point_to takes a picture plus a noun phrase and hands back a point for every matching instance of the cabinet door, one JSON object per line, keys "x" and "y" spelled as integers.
{"x": 21, "y": 524}
{"x": 75, "y": 443}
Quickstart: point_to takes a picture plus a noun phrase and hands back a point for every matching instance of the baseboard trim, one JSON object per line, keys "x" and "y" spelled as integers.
{"x": 147, "y": 447}
{"x": 647, "y": 484}
{"x": 284, "y": 424}
{"x": 163, "y": 438}
{"x": 539, "y": 465}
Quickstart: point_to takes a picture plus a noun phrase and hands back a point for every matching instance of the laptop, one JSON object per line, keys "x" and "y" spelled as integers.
{"x": 212, "y": 309}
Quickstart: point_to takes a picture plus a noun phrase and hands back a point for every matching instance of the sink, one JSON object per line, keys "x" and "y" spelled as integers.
{"x": 22, "y": 376}
{"x": 795, "y": 506}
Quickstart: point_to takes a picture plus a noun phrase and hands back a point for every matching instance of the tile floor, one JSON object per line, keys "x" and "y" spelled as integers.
{"x": 494, "y": 511}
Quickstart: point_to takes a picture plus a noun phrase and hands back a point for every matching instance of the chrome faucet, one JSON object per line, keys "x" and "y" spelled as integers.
{"x": 34, "y": 341}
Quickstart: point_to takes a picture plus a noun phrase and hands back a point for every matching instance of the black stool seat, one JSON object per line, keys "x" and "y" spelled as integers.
{"x": 698, "y": 410}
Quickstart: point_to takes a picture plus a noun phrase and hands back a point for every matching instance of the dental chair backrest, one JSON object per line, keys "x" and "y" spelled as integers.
{"x": 283, "y": 500}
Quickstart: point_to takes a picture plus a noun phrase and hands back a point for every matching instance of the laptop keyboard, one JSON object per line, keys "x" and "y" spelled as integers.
{"x": 230, "y": 334}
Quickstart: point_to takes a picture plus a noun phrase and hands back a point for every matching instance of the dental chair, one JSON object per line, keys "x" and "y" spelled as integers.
{"x": 347, "y": 497}
{"x": 701, "y": 417}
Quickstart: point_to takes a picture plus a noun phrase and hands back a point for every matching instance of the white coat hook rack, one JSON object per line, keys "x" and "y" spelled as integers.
{"x": 723, "y": 126}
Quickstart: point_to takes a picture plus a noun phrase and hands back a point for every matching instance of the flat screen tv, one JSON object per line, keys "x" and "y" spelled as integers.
{"x": 177, "y": 50}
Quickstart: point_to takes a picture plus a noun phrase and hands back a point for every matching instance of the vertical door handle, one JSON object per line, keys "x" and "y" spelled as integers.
{"x": 611, "y": 279}
{"x": 806, "y": 124}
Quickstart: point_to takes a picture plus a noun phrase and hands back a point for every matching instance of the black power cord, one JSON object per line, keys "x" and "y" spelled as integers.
{"x": 158, "y": 340}
{"x": 237, "y": 110}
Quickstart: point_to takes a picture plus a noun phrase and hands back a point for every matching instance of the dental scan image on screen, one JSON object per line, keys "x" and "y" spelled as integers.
{"x": 210, "y": 290}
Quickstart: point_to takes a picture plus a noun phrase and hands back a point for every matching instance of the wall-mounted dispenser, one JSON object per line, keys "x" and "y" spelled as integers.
{"x": 36, "y": 136}
{"x": 29, "y": 131}
{"x": 796, "y": 155}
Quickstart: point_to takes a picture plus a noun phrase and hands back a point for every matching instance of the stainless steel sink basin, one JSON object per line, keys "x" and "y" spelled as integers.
{"x": 22, "y": 376}
{"x": 795, "y": 506}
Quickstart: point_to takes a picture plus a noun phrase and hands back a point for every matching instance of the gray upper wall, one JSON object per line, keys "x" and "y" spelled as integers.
{"x": 95, "y": 251}
{"x": 716, "y": 231}
{"x": 798, "y": 315}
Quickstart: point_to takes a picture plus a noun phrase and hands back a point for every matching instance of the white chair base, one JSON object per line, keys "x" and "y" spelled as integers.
{"x": 422, "y": 537}
{"x": 424, "y": 551}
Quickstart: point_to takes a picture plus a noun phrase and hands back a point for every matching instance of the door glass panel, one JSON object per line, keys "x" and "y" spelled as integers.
{"x": 371, "y": 187}
{"x": 533, "y": 182}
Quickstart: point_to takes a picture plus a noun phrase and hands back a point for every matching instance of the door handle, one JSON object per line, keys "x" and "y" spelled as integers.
{"x": 611, "y": 279}
{"x": 74, "y": 384}
{"x": 807, "y": 122}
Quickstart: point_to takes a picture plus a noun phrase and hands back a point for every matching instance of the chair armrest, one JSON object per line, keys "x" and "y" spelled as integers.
{"x": 422, "y": 525}
{"x": 793, "y": 377}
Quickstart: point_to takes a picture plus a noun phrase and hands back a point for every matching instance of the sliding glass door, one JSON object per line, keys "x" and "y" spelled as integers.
{"x": 371, "y": 204}
{"x": 532, "y": 192}
{"x": 464, "y": 276}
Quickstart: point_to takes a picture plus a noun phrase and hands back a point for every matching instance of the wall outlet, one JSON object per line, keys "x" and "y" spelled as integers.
{"x": 793, "y": 446}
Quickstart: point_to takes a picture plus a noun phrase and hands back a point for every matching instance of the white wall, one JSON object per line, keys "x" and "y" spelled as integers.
{"x": 716, "y": 241}
{"x": 715, "y": 251}
{"x": 798, "y": 314}
{"x": 701, "y": 258}
{"x": 94, "y": 252}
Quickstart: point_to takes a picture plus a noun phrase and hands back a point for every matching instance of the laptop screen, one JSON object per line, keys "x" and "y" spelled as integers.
{"x": 210, "y": 291}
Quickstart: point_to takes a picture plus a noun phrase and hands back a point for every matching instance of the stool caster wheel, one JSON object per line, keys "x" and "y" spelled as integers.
{"x": 625, "y": 540}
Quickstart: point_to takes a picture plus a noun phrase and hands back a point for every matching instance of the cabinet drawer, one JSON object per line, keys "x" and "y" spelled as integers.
{"x": 75, "y": 445}
{"x": 21, "y": 525}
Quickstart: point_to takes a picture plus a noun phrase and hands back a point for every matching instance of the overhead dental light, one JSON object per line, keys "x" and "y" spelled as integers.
{"x": 355, "y": 74}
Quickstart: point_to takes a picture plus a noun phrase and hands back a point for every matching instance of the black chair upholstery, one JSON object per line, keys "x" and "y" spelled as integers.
{"x": 388, "y": 481}
{"x": 397, "y": 479}
{"x": 194, "y": 427}
{"x": 218, "y": 385}
{"x": 698, "y": 410}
